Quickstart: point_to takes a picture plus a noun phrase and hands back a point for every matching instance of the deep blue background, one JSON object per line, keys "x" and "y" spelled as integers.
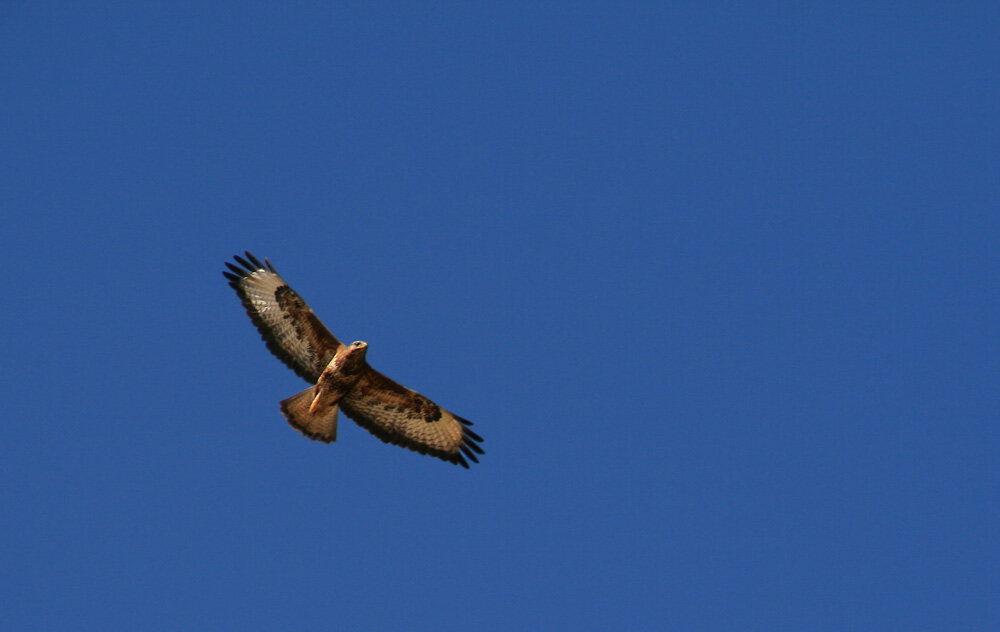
{"x": 718, "y": 285}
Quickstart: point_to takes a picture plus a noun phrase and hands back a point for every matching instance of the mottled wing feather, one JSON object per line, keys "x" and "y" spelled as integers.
{"x": 291, "y": 330}
{"x": 396, "y": 414}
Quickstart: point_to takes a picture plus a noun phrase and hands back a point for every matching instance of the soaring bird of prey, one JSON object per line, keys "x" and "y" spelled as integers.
{"x": 340, "y": 375}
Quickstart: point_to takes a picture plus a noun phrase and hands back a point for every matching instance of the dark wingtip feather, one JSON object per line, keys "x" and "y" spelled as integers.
{"x": 246, "y": 264}
{"x": 464, "y": 421}
{"x": 474, "y": 446}
{"x": 254, "y": 260}
{"x": 467, "y": 452}
{"x": 240, "y": 273}
{"x": 473, "y": 435}
{"x": 269, "y": 266}
{"x": 229, "y": 275}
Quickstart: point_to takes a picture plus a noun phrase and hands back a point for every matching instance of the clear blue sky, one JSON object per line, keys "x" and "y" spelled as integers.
{"x": 718, "y": 286}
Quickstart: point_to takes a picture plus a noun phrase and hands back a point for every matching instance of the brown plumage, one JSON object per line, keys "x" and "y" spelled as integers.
{"x": 341, "y": 377}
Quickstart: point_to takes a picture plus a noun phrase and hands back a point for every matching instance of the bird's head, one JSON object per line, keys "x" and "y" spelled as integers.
{"x": 349, "y": 360}
{"x": 354, "y": 357}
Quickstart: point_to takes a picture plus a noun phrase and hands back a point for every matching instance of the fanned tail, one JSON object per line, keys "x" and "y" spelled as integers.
{"x": 321, "y": 426}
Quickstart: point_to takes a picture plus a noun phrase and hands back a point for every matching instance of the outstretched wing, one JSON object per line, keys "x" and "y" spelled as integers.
{"x": 396, "y": 414}
{"x": 291, "y": 330}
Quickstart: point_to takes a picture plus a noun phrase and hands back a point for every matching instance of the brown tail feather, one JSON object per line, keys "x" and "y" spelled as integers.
{"x": 321, "y": 426}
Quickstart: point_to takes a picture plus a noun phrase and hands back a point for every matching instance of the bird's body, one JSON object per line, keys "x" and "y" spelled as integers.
{"x": 341, "y": 376}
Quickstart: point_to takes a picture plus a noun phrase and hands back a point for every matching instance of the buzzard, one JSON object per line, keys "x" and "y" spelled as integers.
{"x": 341, "y": 376}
